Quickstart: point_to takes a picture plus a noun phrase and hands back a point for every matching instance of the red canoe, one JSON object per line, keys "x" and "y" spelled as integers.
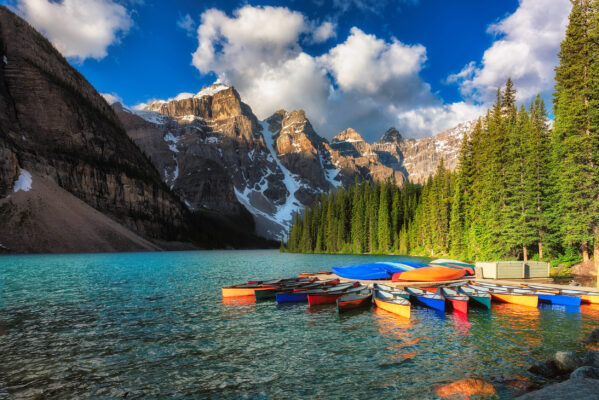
{"x": 330, "y": 297}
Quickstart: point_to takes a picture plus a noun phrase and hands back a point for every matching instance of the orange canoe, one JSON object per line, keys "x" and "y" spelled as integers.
{"x": 531, "y": 301}
{"x": 241, "y": 291}
{"x": 428, "y": 274}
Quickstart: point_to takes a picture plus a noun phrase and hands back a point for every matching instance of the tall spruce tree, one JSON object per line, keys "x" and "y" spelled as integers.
{"x": 575, "y": 136}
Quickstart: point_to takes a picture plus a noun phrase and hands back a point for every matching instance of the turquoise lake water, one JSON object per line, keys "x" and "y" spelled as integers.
{"x": 149, "y": 325}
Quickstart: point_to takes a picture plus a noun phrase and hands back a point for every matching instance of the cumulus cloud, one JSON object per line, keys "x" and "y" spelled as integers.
{"x": 363, "y": 82}
{"x": 525, "y": 50}
{"x": 80, "y": 29}
{"x": 437, "y": 118}
{"x": 112, "y": 98}
{"x": 324, "y": 32}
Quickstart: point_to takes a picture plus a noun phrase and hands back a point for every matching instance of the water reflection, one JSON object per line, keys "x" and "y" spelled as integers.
{"x": 237, "y": 306}
{"x": 397, "y": 328}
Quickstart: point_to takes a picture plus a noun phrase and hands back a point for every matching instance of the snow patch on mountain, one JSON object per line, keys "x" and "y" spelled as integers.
{"x": 24, "y": 182}
{"x": 152, "y": 116}
{"x": 171, "y": 141}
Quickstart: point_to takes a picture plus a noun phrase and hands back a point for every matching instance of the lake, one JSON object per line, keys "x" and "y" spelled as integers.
{"x": 147, "y": 325}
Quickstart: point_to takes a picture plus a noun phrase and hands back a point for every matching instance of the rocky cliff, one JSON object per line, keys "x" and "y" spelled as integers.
{"x": 215, "y": 154}
{"x": 56, "y": 126}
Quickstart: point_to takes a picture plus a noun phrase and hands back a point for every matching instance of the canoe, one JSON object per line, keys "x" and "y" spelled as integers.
{"x": 243, "y": 290}
{"x": 428, "y": 274}
{"x": 477, "y": 297}
{"x": 506, "y": 295}
{"x": 551, "y": 296}
{"x": 295, "y": 295}
{"x": 316, "y": 298}
{"x": 428, "y": 299}
{"x": 585, "y": 297}
{"x": 392, "y": 303}
{"x": 270, "y": 293}
{"x": 393, "y": 290}
{"x": 454, "y": 264}
{"x": 458, "y": 302}
{"x": 378, "y": 270}
{"x": 354, "y": 300}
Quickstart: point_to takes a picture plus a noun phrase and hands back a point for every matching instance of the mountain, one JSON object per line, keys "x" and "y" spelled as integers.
{"x": 215, "y": 154}
{"x": 62, "y": 144}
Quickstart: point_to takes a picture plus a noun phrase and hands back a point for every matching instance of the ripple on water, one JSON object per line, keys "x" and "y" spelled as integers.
{"x": 154, "y": 325}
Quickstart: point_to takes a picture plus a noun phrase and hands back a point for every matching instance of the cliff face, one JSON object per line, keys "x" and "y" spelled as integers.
{"x": 54, "y": 123}
{"x": 214, "y": 153}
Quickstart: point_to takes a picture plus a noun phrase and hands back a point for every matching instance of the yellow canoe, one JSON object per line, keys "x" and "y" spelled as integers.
{"x": 402, "y": 309}
{"x": 592, "y": 299}
{"x": 531, "y": 301}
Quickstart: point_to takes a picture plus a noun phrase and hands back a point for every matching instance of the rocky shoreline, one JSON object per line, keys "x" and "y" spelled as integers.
{"x": 567, "y": 375}
{"x": 577, "y": 374}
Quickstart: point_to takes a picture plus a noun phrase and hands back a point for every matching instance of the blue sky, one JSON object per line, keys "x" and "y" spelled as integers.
{"x": 421, "y": 65}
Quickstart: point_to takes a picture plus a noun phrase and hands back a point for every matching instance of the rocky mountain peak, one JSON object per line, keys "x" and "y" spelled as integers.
{"x": 392, "y": 135}
{"x": 348, "y": 135}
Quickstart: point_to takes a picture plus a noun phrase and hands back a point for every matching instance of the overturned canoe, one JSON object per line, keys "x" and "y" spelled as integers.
{"x": 379, "y": 270}
{"x": 354, "y": 300}
{"x": 429, "y": 274}
{"x": 393, "y": 303}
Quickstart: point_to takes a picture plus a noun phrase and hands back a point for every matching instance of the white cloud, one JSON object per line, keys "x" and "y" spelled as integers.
{"x": 112, "y": 98}
{"x": 525, "y": 50}
{"x": 366, "y": 64}
{"x": 437, "y": 118}
{"x": 80, "y": 29}
{"x": 324, "y": 32}
{"x": 364, "y": 82}
{"x": 187, "y": 23}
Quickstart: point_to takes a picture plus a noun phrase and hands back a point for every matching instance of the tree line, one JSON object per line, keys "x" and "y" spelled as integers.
{"x": 524, "y": 187}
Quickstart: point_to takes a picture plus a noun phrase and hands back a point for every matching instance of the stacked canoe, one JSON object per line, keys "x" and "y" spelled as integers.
{"x": 408, "y": 271}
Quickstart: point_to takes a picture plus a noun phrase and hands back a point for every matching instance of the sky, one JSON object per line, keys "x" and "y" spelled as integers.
{"x": 422, "y": 66}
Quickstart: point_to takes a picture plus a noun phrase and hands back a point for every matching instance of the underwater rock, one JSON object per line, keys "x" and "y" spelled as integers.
{"x": 466, "y": 387}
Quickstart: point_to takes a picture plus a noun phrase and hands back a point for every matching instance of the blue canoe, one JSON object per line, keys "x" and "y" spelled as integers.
{"x": 560, "y": 300}
{"x": 427, "y": 299}
{"x": 379, "y": 270}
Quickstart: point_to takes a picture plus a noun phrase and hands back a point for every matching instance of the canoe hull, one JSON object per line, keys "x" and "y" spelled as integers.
{"x": 353, "y": 304}
{"x": 429, "y": 274}
{"x": 296, "y": 297}
{"x": 318, "y": 299}
{"x": 481, "y": 301}
{"x": 459, "y": 305}
{"x": 573, "y": 301}
{"x": 436, "y": 304}
{"x": 589, "y": 299}
{"x": 530, "y": 301}
{"x": 241, "y": 292}
{"x": 399, "y": 309}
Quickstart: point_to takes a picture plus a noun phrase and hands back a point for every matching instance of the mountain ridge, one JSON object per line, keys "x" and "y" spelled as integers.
{"x": 272, "y": 167}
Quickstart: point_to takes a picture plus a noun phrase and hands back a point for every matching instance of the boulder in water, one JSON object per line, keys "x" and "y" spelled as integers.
{"x": 466, "y": 388}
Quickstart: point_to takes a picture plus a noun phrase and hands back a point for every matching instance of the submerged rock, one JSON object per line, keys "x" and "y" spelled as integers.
{"x": 591, "y": 358}
{"x": 592, "y": 340}
{"x": 466, "y": 387}
{"x": 585, "y": 372}
{"x": 567, "y": 361}
{"x": 523, "y": 383}
{"x": 568, "y": 390}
